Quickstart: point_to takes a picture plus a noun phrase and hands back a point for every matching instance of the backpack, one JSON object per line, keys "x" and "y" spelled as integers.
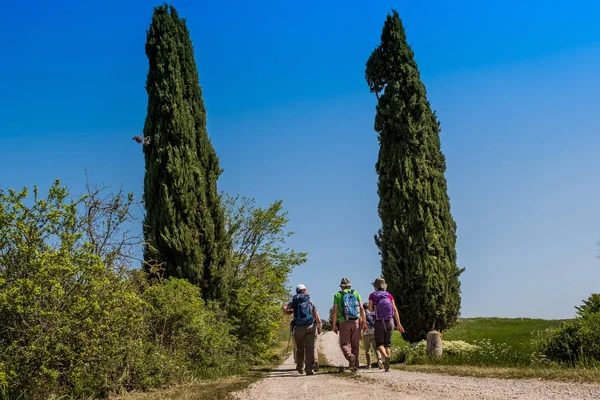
{"x": 350, "y": 305}
{"x": 383, "y": 305}
{"x": 370, "y": 319}
{"x": 303, "y": 310}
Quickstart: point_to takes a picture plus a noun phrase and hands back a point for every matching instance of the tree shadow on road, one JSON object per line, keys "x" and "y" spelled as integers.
{"x": 292, "y": 373}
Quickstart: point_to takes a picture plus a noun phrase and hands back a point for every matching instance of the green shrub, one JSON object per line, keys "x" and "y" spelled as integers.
{"x": 68, "y": 322}
{"x": 189, "y": 332}
{"x": 69, "y": 327}
{"x": 575, "y": 342}
{"x": 459, "y": 347}
{"x": 76, "y": 324}
{"x": 589, "y": 306}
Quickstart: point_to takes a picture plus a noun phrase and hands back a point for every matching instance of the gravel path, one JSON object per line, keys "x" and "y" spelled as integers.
{"x": 286, "y": 383}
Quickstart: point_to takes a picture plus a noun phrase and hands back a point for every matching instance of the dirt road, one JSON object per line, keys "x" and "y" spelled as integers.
{"x": 286, "y": 383}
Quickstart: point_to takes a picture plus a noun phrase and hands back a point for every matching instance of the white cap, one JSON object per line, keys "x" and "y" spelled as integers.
{"x": 300, "y": 287}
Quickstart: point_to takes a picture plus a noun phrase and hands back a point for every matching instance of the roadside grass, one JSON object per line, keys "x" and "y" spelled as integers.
{"x": 493, "y": 347}
{"x": 554, "y": 373}
{"x": 283, "y": 345}
{"x": 198, "y": 390}
{"x": 223, "y": 388}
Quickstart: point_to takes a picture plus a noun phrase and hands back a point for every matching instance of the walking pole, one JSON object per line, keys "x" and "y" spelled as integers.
{"x": 288, "y": 346}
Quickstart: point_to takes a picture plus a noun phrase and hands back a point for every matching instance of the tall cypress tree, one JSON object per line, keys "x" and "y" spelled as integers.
{"x": 185, "y": 223}
{"x": 417, "y": 240}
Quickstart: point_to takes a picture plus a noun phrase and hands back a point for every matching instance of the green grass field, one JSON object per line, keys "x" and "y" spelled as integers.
{"x": 503, "y": 348}
{"x": 499, "y": 341}
{"x": 519, "y": 333}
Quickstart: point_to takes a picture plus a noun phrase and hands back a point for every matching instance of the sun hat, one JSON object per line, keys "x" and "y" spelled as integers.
{"x": 379, "y": 284}
{"x": 345, "y": 283}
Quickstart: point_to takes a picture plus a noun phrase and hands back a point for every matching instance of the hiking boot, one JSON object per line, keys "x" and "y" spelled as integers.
{"x": 300, "y": 369}
{"x": 386, "y": 364}
{"x": 380, "y": 364}
{"x": 352, "y": 362}
{"x": 310, "y": 373}
{"x": 316, "y": 366}
{"x": 368, "y": 366}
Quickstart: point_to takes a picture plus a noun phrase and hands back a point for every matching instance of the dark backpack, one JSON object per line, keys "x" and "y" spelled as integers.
{"x": 303, "y": 310}
{"x": 370, "y": 319}
{"x": 383, "y": 305}
{"x": 350, "y": 305}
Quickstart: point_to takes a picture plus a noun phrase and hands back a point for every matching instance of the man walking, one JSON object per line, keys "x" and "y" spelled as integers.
{"x": 316, "y": 345}
{"x": 307, "y": 324}
{"x": 348, "y": 319}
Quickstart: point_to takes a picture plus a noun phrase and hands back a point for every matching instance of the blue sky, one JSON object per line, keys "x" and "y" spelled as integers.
{"x": 290, "y": 115}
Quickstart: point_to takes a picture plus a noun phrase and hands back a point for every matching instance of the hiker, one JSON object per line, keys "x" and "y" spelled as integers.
{"x": 316, "y": 346}
{"x": 382, "y": 303}
{"x": 307, "y": 324}
{"x": 368, "y": 338}
{"x": 348, "y": 319}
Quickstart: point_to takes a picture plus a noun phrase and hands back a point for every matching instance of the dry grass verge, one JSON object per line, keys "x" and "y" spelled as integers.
{"x": 198, "y": 390}
{"x": 591, "y": 375}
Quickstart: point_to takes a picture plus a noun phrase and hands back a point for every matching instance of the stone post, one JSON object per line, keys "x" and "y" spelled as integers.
{"x": 434, "y": 344}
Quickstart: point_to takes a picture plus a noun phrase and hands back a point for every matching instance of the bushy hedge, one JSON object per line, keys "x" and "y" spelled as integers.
{"x": 73, "y": 325}
{"x": 94, "y": 335}
{"x": 577, "y": 341}
{"x": 191, "y": 333}
{"x": 68, "y": 326}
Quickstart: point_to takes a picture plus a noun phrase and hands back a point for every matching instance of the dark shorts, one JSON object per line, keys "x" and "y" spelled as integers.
{"x": 383, "y": 332}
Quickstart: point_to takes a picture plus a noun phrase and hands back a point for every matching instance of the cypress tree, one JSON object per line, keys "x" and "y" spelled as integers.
{"x": 417, "y": 240}
{"x": 185, "y": 224}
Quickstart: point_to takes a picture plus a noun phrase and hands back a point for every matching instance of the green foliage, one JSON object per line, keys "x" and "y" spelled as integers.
{"x": 195, "y": 335}
{"x": 479, "y": 353}
{"x": 185, "y": 224}
{"x": 68, "y": 322}
{"x": 456, "y": 347}
{"x": 577, "y": 341}
{"x": 261, "y": 266}
{"x": 76, "y": 324}
{"x": 484, "y": 342}
{"x": 417, "y": 240}
{"x": 416, "y": 354}
{"x": 589, "y": 306}
{"x": 521, "y": 334}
